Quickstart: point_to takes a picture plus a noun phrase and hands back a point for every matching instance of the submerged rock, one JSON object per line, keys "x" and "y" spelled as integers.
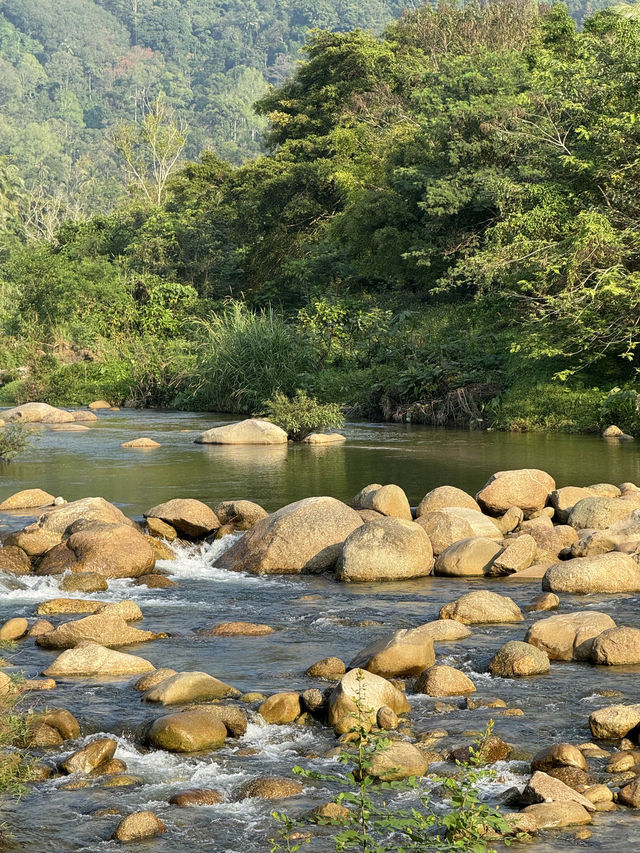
{"x": 482, "y": 607}
{"x": 237, "y": 629}
{"x": 196, "y": 797}
{"x": 139, "y": 825}
{"x": 141, "y": 442}
{"x": 268, "y": 788}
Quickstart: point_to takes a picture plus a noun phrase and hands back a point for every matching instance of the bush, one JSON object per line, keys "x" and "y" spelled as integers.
{"x": 621, "y": 408}
{"x": 301, "y": 415}
{"x": 13, "y": 440}
{"x": 547, "y": 407}
{"x": 245, "y": 357}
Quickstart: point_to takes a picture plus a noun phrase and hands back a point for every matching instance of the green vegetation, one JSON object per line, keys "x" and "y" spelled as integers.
{"x": 14, "y": 438}
{"x": 443, "y": 229}
{"x": 301, "y": 415}
{"x": 376, "y": 823}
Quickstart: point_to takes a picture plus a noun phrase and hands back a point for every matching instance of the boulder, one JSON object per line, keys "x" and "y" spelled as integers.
{"x": 386, "y": 719}
{"x": 526, "y": 488}
{"x": 99, "y": 404}
{"x": 445, "y": 630}
{"x": 451, "y": 524}
{"x": 37, "y": 413}
{"x": 443, "y": 497}
{"x": 622, "y": 536}
{"x": 563, "y": 500}
{"x": 576, "y": 779}
{"x": 186, "y": 515}
{"x": 629, "y": 795}
{"x": 139, "y": 825}
{"x": 188, "y": 687}
{"x": 606, "y": 573}
{"x": 482, "y": 607}
{"x": 83, "y": 416}
{"x": 305, "y": 536}
{"x": 40, "y": 626}
{"x": 281, "y": 708}
{"x": 545, "y": 601}
{"x": 569, "y": 636}
{"x": 233, "y": 718}
{"x": 386, "y": 549}
{"x": 404, "y": 653}
{"x": 511, "y": 519}
{"x": 187, "y": 731}
{"x": 557, "y": 815}
{"x": 597, "y": 513}
{"x": 518, "y": 555}
{"x": 62, "y": 721}
{"x": 14, "y": 629}
{"x": 153, "y": 678}
{"x": 612, "y": 432}
{"x": 237, "y": 629}
{"x": 401, "y": 760}
{"x": 542, "y": 788}
{"x": 90, "y": 756}
{"x": 196, "y": 797}
{"x": 105, "y": 629}
{"x": 27, "y": 499}
{"x": 516, "y": 659}
{"x": 48, "y": 530}
{"x": 141, "y": 442}
{"x": 473, "y": 557}
{"x": 371, "y": 691}
{"x": 127, "y": 610}
{"x": 250, "y": 431}
{"x": 388, "y": 501}
{"x": 84, "y": 582}
{"x": 444, "y": 680}
{"x": 268, "y": 788}
{"x": 614, "y": 721}
{"x": 616, "y": 647}
{"x": 558, "y": 755}
{"x": 14, "y": 561}
{"x": 491, "y": 750}
{"x": 330, "y": 669}
{"x": 90, "y": 659}
{"x": 161, "y": 530}
{"x": 324, "y": 438}
{"x": 241, "y": 514}
{"x": 549, "y": 542}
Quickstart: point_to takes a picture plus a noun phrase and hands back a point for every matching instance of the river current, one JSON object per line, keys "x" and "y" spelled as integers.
{"x": 313, "y": 617}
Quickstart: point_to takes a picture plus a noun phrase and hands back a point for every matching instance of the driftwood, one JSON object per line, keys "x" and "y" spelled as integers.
{"x": 459, "y": 407}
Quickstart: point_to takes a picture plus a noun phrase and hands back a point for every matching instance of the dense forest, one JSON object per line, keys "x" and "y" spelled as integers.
{"x": 432, "y": 218}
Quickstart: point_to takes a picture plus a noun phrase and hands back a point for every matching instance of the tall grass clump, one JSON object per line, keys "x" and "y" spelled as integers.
{"x": 244, "y": 357}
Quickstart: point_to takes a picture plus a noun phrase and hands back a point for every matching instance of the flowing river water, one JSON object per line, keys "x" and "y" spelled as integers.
{"x": 314, "y": 617}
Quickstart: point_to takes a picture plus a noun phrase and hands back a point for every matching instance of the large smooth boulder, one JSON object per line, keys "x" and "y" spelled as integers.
{"x": 369, "y": 690}
{"x": 89, "y": 757}
{"x": 563, "y": 500}
{"x": 451, "y": 524}
{"x": 250, "y": 431}
{"x": 446, "y": 496}
{"x": 597, "y": 513}
{"x": 388, "y": 500}
{"x": 549, "y": 540}
{"x": 281, "y": 708}
{"x": 91, "y": 659}
{"x": 622, "y": 536}
{"x": 386, "y": 549}
{"x": 105, "y": 629}
{"x": 14, "y": 629}
{"x": 14, "y": 561}
{"x": 558, "y": 755}
{"x": 142, "y": 442}
{"x": 48, "y": 530}
{"x": 444, "y": 630}
{"x": 110, "y": 550}
{"x": 543, "y": 788}
{"x": 322, "y": 438}
{"x": 188, "y": 687}
{"x": 37, "y": 413}
{"x": 442, "y": 680}
{"x": 629, "y": 795}
{"x": 241, "y": 514}
{"x": 187, "y": 731}
{"x": 518, "y": 555}
{"x": 516, "y": 659}
{"x": 614, "y": 721}
{"x": 27, "y": 499}
{"x": 482, "y": 607}
{"x": 404, "y": 653}
{"x": 606, "y": 573}
{"x": 401, "y": 760}
{"x": 305, "y": 536}
{"x": 617, "y": 647}
{"x": 556, "y": 815}
{"x": 472, "y": 557}
{"x": 139, "y": 825}
{"x": 187, "y": 516}
{"x": 569, "y": 636}
{"x": 127, "y": 610}
{"x": 526, "y": 488}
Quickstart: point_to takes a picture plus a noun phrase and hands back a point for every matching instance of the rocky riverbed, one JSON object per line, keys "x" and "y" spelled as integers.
{"x": 212, "y": 648}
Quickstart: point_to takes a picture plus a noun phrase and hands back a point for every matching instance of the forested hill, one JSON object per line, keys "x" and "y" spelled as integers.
{"x": 70, "y": 70}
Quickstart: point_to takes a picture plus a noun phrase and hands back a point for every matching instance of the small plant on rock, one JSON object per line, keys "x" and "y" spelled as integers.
{"x": 301, "y": 415}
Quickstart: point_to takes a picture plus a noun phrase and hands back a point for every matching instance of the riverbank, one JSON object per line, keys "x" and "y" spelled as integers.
{"x": 311, "y": 617}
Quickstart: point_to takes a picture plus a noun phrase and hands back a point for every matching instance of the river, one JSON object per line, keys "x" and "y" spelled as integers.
{"x": 313, "y": 616}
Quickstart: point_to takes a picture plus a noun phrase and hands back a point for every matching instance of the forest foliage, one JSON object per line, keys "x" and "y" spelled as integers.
{"x": 442, "y": 227}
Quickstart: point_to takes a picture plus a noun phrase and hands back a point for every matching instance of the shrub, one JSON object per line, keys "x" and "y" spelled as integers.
{"x": 301, "y": 415}
{"x": 14, "y": 438}
{"x": 245, "y": 357}
{"x": 621, "y": 408}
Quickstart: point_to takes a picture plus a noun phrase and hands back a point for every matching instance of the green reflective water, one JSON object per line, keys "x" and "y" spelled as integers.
{"x": 417, "y": 458}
